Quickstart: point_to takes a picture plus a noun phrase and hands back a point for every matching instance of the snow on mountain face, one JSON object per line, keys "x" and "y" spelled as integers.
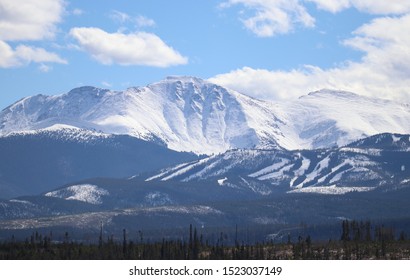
{"x": 329, "y": 118}
{"x": 361, "y": 166}
{"x": 42, "y": 111}
{"x": 86, "y": 193}
{"x": 190, "y": 114}
{"x": 187, "y": 114}
{"x": 202, "y": 117}
{"x": 65, "y": 133}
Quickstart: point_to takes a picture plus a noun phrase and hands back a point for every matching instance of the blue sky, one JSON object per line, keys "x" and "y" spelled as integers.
{"x": 269, "y": 49}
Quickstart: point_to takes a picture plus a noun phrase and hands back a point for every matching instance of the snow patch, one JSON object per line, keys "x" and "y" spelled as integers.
{"x": 331, "y": 190}
{"x": 167, "y": 171}
{"x": 301, "y": 171}
{"x": 157, "y": 199}
{"x": 395, "y": 138}
{"x": 21, "y": 201}
{"x": 222, "y": 181}
{"x": 198, "y": 209}
{"x": 405, "y": 181}
{"x": 324, "y": 163}
{"x": 87, "y": 193}
{"x": 269, "y": 169}
{"x": 262, "y": 190}
{"x": 369, "y": 152}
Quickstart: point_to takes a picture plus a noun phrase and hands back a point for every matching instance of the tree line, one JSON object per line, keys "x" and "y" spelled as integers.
{"x": 358, "y": 240}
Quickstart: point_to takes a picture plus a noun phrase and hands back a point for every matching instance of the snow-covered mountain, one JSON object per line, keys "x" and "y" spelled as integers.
{"x": 190, "y": 114}
{"x": 329, "y": 118}
{"x": 186, "y": 114}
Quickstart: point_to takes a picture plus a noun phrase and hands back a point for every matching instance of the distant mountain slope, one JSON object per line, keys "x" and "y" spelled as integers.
{"x": 247, "y": 187}
{"x": 368, "y": 179}
{"x": 329, "y": 118}
{"x": 36, "y": 161}
{"x": 378, "y": 161}
{"x": 190, "y": 114}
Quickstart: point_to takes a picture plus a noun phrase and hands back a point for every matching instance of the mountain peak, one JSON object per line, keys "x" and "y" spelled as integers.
{"x": 87, "y": 90}
{"x": 185, "y": 79}
{"x": 190, "y": 89}
{"x": 172, "y": 83}
{"x": 83, "y": 89}
{"x": 186, "y": 113}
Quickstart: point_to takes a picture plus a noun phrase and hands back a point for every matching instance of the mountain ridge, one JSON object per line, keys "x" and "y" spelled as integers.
{"x": 379, "y": 161}
{"x": 191, "y": 114}
{"x": 38, "y": 160}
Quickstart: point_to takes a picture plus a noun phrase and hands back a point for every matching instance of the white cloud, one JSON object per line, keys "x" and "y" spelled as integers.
{"x": 380, "y": 7}
{"x": 333, "y": 6}
{"x": 29, "y": 19}
{"x": 139, "y": 21}
{"x": 45, "y": 68}
{"x": 142, "y": 21}
{"x": 288, "y": 85}
{"x": 32, "y": 54}
{"x": 384, "y": 70}
{"x": 120, "y": 17}
{"x": 267, "y": 18}
{"x": 386, "y": 44}
{"x": 271, "y": 85}
{"x": 272, "y": 17}
{"x": 126, "y": 49}
{"x": 24, "y": 55}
